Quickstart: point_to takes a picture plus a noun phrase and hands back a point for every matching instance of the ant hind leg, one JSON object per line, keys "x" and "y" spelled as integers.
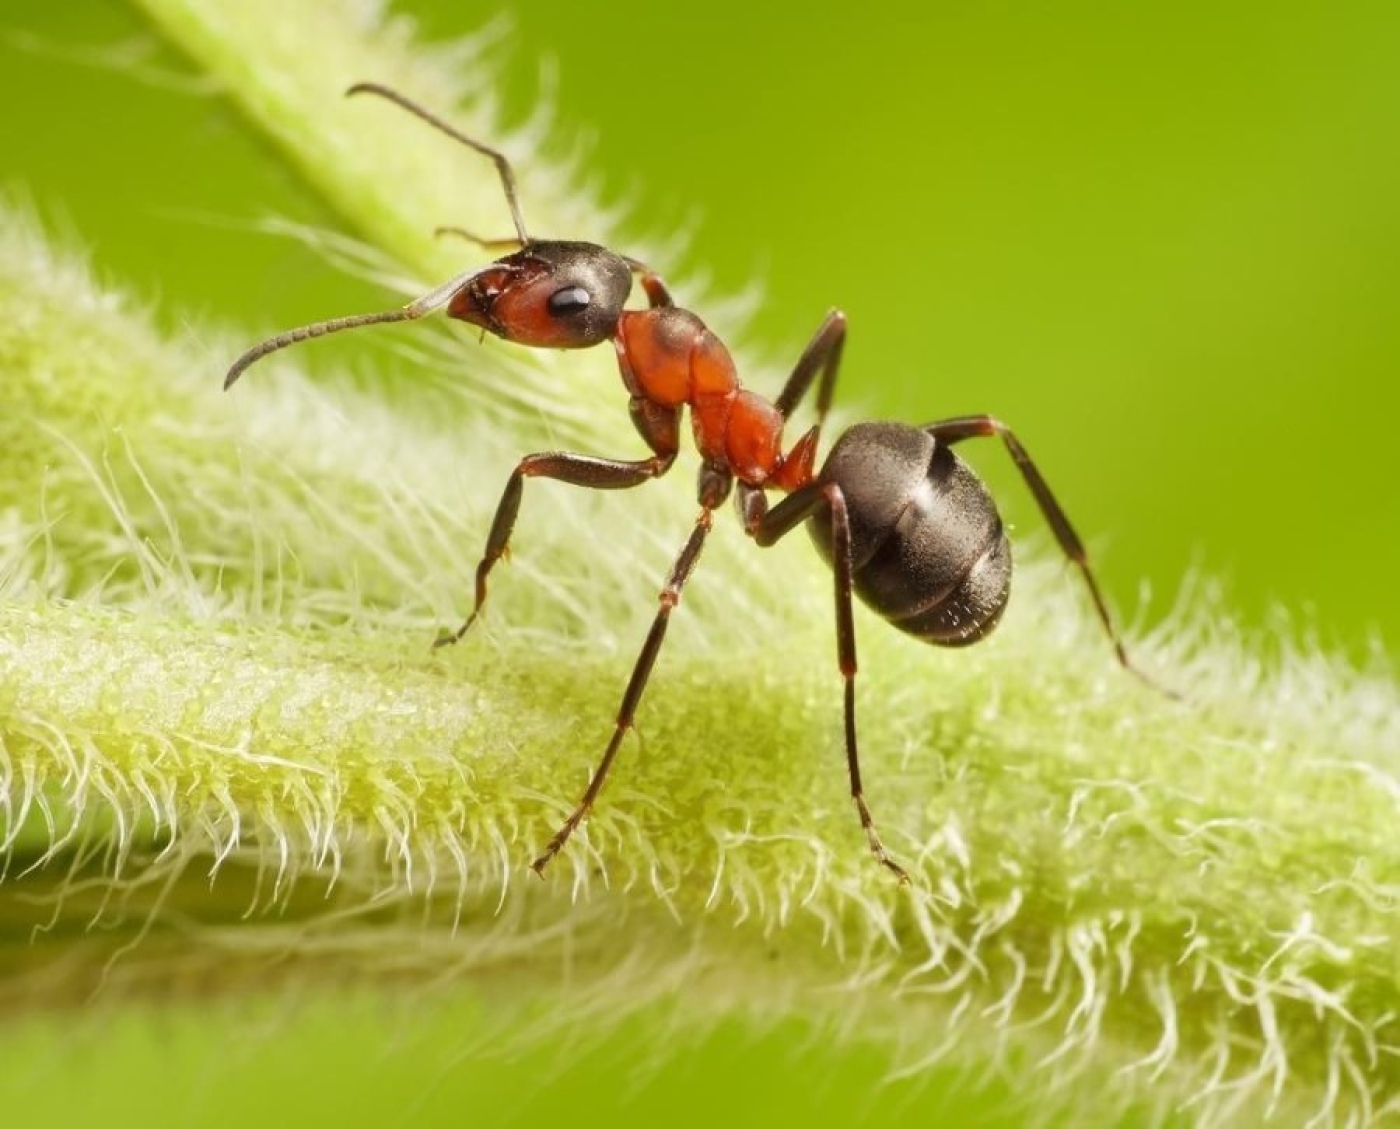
{"x": 984, "y": 426}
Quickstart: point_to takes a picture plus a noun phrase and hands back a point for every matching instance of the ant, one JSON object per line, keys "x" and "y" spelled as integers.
{"x": 902, "y": 521}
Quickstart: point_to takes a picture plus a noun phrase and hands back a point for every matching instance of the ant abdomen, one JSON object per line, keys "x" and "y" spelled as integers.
{"x": 927, "y": 545}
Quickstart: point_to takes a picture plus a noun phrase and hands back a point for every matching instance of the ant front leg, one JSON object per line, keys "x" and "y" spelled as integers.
{"x": 657, "y": 294}
{"x": 767, "y": 527}
{"x": 714, "y": 487}
{"x": 658, "y": 428}
{"x": 952, "y": 431}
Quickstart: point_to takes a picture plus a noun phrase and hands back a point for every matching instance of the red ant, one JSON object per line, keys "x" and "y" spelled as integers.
{"x": 902, "y": 521}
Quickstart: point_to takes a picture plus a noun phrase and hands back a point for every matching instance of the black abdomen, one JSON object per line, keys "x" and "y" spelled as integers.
{"x": 927, "y": 543}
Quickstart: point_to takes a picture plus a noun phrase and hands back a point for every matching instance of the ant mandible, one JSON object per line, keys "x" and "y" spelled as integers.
{"x": 901, "y": 520}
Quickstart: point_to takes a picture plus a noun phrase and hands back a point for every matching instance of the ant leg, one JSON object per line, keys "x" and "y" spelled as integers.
{"x": 636, "y": 685}
{"x": 659, "y": 429}
{"x": 978, "y": 427}
{"x": 656, "y": 292}
{"x": 562, "y": 466}
{"x": 823, "y": 354}
{"x": 768, "y": 526}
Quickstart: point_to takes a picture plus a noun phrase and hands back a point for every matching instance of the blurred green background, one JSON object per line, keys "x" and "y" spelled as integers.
{"x": 1161, "y": 240}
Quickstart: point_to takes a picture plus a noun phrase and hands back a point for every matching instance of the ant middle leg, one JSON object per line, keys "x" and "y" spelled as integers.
{"x": 641, "y": 671}
{"x": 767, "y": 527}
{"x": 984, "y": 426}
{"x": 822, "y": 355}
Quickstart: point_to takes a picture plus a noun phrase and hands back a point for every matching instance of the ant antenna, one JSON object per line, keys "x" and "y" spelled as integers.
{"x": 500, "y": 244}
{"x": 502, "y": 162}
{"x": 432, "y": 301}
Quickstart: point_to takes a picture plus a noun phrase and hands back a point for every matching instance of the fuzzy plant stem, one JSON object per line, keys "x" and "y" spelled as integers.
{"x": 228, "y": 754}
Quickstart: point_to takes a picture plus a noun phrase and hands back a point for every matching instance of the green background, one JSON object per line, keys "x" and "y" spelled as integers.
{"x": 1160, "y": 240}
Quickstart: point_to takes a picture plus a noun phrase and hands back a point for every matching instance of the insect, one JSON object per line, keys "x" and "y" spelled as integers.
{"x": 902, "y": 521}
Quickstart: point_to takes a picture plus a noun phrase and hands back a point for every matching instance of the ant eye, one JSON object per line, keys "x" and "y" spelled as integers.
{"x": 570, "y": 300}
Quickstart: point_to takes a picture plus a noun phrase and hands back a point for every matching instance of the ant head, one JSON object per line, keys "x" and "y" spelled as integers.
{"x": 551, "y": 295}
